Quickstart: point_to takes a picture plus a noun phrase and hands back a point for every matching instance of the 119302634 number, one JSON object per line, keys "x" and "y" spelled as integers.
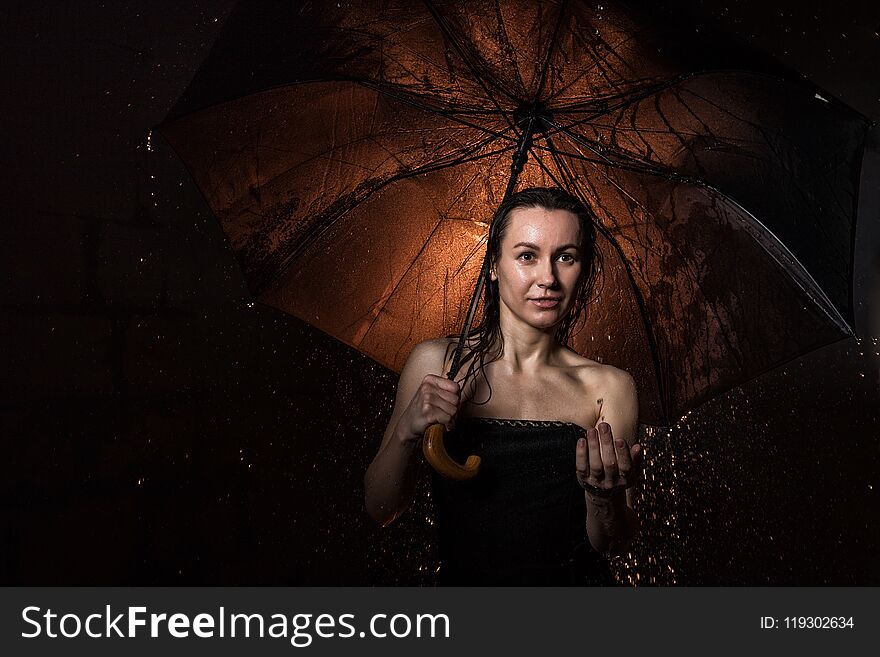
{"x": 817, "y": 622}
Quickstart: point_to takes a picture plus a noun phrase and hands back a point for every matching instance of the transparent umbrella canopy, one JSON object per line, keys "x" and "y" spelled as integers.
{"x": 354, "y": 154}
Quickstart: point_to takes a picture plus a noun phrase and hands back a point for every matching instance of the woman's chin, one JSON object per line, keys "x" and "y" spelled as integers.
{"x": 545, "y": 319}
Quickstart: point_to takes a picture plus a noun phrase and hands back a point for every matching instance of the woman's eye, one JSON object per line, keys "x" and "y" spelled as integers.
{"x": 526, "y": 255}
{"x": 566, "y": 257}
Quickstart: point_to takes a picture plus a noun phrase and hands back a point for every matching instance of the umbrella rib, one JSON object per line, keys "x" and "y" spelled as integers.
{"x": 408, "y": 100}
{"x": 461, "y": 158}
{"x": 614, "y": 50}
{"x": 763, "y": 133}
{"x": 661, "y": 374}
{"x": 553, "y": 40}
{"x": 617, "y": 224}
{"x": 692, "y": 276}
{"x": 470, "y": 254}
{"x": 314, "y": 233}
{"x": 582, "y": 141}
{"x": 757, "y": 127}
{"x": 771, "y": 244}
{"x": 616, "y": 165}
{"x": 629, "y": 162}
{"x": 627, "y": 98}
{"x": 481, "y": 245}
{"x": 426, "y": 168}
{"x": 790, "y": 264}
{"x": 720, "y": 108}
{"x": 641, "y": 140}
{"x": 505, "y": 41}
{"x": 776, "y": 249}
{"x": 411, "y": 74}
{"x": 409, "y": 97}
{"x": 662, "y": 114}
{"x": 565, "y": 167}
{"x": 434, "y": 166}
{"x": 328, "y": 154}
{"x": 636, "y": 166}
{"x": 589, "y": 103}
{"x": 595, "y": 62}
{"x": 686, "y": 133}
{"x": 409, "y": 267}
{"x": 467, "y": 60}
{"x": 677, "y": 94}
{"x": 414, "y": 53}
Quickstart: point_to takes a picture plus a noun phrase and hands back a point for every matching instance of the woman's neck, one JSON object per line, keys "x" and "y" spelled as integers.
{"x": 526, "y": 347}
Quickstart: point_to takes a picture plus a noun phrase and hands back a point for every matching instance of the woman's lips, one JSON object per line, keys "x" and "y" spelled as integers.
{"x": 545, "y": 303}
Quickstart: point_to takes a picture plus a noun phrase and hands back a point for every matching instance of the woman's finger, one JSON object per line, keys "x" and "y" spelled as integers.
{"x": 636, "y": 451}
{"x": 438, "y": 403}
{"x": 581, "y": 460}
{"x": 624, "y": 462}
{"x": 445, "y": 384}
{"x": 444, "y": 394}
{"x": 431, "y": 410}
{"x": 595, "y": 455}
{"x": 609, "y": 458}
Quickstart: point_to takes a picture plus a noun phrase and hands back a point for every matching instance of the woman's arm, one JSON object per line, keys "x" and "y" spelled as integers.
{"x": 423, "y": 398}
{"x": 611, "y": 521}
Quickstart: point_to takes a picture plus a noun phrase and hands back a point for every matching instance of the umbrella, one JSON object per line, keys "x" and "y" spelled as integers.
{"x": 354, "y": 152}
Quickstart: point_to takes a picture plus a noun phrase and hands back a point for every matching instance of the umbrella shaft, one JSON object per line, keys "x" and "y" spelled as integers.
{"x": 520, "y": 156}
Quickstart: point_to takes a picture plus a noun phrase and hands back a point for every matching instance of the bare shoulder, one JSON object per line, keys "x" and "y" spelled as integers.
{"x": 607, "y": 381}
{"x": 592, "y": 371}
{"x": 428, "y": 357}
{"x": 618, "y": 381}
{"x": 621, "y": 402}
{"x": 425, "y": 358}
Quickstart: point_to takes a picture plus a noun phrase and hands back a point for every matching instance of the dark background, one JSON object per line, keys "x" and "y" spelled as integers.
{"x": 160, "y": 428}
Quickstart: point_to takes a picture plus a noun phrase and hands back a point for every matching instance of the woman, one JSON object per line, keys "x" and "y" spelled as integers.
{"x": 556, "y": 432}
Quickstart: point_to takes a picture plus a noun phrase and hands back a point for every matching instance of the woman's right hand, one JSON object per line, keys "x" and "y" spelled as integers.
{"x": 422, "y": 399}
{"x": 436, "y": 401}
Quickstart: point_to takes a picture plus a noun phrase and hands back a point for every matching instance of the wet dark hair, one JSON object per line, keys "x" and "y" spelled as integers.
{"x": 485, "y": 343}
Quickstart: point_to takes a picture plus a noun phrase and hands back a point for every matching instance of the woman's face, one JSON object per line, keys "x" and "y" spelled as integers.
{"x": 539, "y": 265}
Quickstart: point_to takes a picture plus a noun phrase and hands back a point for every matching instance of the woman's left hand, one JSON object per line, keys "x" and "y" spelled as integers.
{"x": 606, "y": 462}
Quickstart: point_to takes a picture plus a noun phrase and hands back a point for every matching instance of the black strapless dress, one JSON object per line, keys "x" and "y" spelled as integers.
{"x": 521, "y": 520}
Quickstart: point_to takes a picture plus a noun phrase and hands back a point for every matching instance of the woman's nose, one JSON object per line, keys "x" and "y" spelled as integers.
{"x": 546, "y": 274}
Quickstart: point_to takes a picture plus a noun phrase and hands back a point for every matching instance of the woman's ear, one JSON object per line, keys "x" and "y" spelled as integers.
{"x": 492, "y": 275}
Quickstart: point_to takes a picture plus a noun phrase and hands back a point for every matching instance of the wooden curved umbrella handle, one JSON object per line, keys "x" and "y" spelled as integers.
{"x": 435, "y": 453}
